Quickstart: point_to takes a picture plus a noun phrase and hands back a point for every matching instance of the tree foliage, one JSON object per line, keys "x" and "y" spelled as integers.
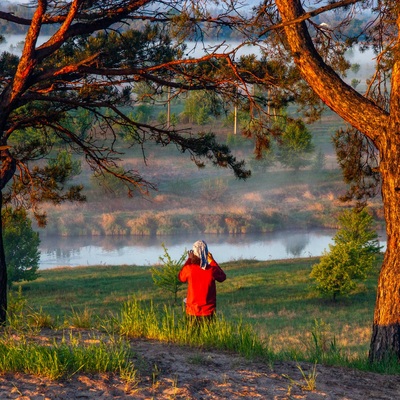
{"x": 318, "y": 50}
{"x": 21, "y": 246}
{"x": 200, "y": 106}
{"x": 350, "y": 258}
{"x": 359, "y": 160}
{"x": 75, "y": 88}
{"x": 295, "y": 146}
{"x": 85, "y": 72}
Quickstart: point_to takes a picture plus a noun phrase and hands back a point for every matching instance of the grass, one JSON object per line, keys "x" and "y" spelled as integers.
{"x": 265, "y": 309}
{"x": 308, "y": 382}
{"x": 101, "y": 289}
{"x": 276, "y": 298}
{"x": 58, "y": 360}
{"x": 170, "y": 325}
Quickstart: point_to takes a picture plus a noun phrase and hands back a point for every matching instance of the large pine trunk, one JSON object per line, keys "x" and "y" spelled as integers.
{"x": 383, "y": 130}
{"x": 7, "y": 170}
{"x": 3, "y": 271}
{"x": 385, "y": 340}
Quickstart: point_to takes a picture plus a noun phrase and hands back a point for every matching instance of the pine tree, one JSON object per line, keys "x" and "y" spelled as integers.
{"x": 350, "y": 258}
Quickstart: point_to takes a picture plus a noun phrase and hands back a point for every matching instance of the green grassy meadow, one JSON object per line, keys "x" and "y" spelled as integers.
{"x": 274, "y": 298}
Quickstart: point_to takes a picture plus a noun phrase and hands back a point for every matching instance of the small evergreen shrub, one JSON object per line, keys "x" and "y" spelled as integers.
{"x": 165, "y": 276}
{"x": 350, "y": 258}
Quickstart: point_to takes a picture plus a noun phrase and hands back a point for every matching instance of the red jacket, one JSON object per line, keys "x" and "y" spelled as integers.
{"x": 202, "y": 294}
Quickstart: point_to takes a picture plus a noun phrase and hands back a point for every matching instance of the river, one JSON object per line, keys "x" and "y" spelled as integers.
{"x": 117, "y": 250}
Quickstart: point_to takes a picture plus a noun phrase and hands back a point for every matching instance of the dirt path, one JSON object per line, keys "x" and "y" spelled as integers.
{"x": 173, "y": 372}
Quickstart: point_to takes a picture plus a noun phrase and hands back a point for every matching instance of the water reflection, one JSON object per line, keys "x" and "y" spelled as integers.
{"x": 296, "y": 243}
{"x": 74, "y": 251}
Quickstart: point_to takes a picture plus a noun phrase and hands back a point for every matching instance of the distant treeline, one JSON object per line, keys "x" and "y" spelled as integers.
{"x": 22, "y": 11}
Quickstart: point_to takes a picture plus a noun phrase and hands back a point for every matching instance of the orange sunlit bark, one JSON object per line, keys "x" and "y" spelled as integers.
{"x": 384, "y": 130}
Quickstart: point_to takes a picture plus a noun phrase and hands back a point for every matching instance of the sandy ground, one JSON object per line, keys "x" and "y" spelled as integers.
{"x": 167, "y": 371}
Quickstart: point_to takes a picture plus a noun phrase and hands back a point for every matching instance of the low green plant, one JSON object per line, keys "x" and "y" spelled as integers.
{"x": 21, "y": 317}
{"x": 350, "y": 258}
{"x": 17, "y": 305}
{"x": 21, "y": 246}
{"x": 324, "y": 347}
{"x": 137, "y": 321}
{"x": 40, "y": 319}
{"x": 82, "y": 319}
{"x": 309, "y": 382}
{"x": 310, "y": 379}
{"x": 165, "y": 276}
{"x": 155, "y": 375}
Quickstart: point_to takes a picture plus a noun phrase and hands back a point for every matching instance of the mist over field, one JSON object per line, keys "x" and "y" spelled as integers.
{"x": 211, "y": 200}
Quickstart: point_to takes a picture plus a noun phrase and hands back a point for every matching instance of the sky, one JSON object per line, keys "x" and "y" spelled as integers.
{"x": 17, "y": 1}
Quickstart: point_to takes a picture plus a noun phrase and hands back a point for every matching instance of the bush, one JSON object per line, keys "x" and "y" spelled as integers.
{"x": 350, "y": 258}
{"x": 21, "y": 246}
{"x": 166, "y": 275}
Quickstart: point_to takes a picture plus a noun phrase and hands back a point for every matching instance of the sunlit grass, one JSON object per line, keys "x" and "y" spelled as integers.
{"x": 274, "y": 297}
{"x": 168, "y": 325}
{"x": 272, "y": 302}
{"x": 65, "y": 358}
{"x": 277, "y": 299}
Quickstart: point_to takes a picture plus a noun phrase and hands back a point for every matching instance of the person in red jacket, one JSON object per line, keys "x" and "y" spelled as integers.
{"x": 201, "y": 271}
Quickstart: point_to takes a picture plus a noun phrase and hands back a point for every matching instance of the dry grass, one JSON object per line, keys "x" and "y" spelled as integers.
{"x": 308, "y": 195}
{"x": 186, "y": 193}
{"x": 317, "y": 207}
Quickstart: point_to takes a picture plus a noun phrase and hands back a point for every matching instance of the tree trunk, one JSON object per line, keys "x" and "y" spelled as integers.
{"x": 383, "y": 129}
{"x": 3, "y": 271}
{"x": 385, "y": 340}
{"x": 7, "y": 170}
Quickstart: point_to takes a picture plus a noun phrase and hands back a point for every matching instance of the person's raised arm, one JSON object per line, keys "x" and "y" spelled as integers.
{"x": 218, "y": 274}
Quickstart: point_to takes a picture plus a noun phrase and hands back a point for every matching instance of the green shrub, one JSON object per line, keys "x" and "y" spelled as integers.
{"x": 351, "y": 257}
{"x": 165, "y": 276}
{"x": 21, "y": 246}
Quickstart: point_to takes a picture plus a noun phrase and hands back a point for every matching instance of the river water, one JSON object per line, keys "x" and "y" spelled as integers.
{"x": 111, "y": 250}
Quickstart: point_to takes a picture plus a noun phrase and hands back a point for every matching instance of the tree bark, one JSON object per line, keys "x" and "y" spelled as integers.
{"x": 343, "y": 99}
{"x": 385, "y": 340}
{"x": 3, "y": 271}
{"x": 7, "y": 170}
{"x": 384, "y": 130}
